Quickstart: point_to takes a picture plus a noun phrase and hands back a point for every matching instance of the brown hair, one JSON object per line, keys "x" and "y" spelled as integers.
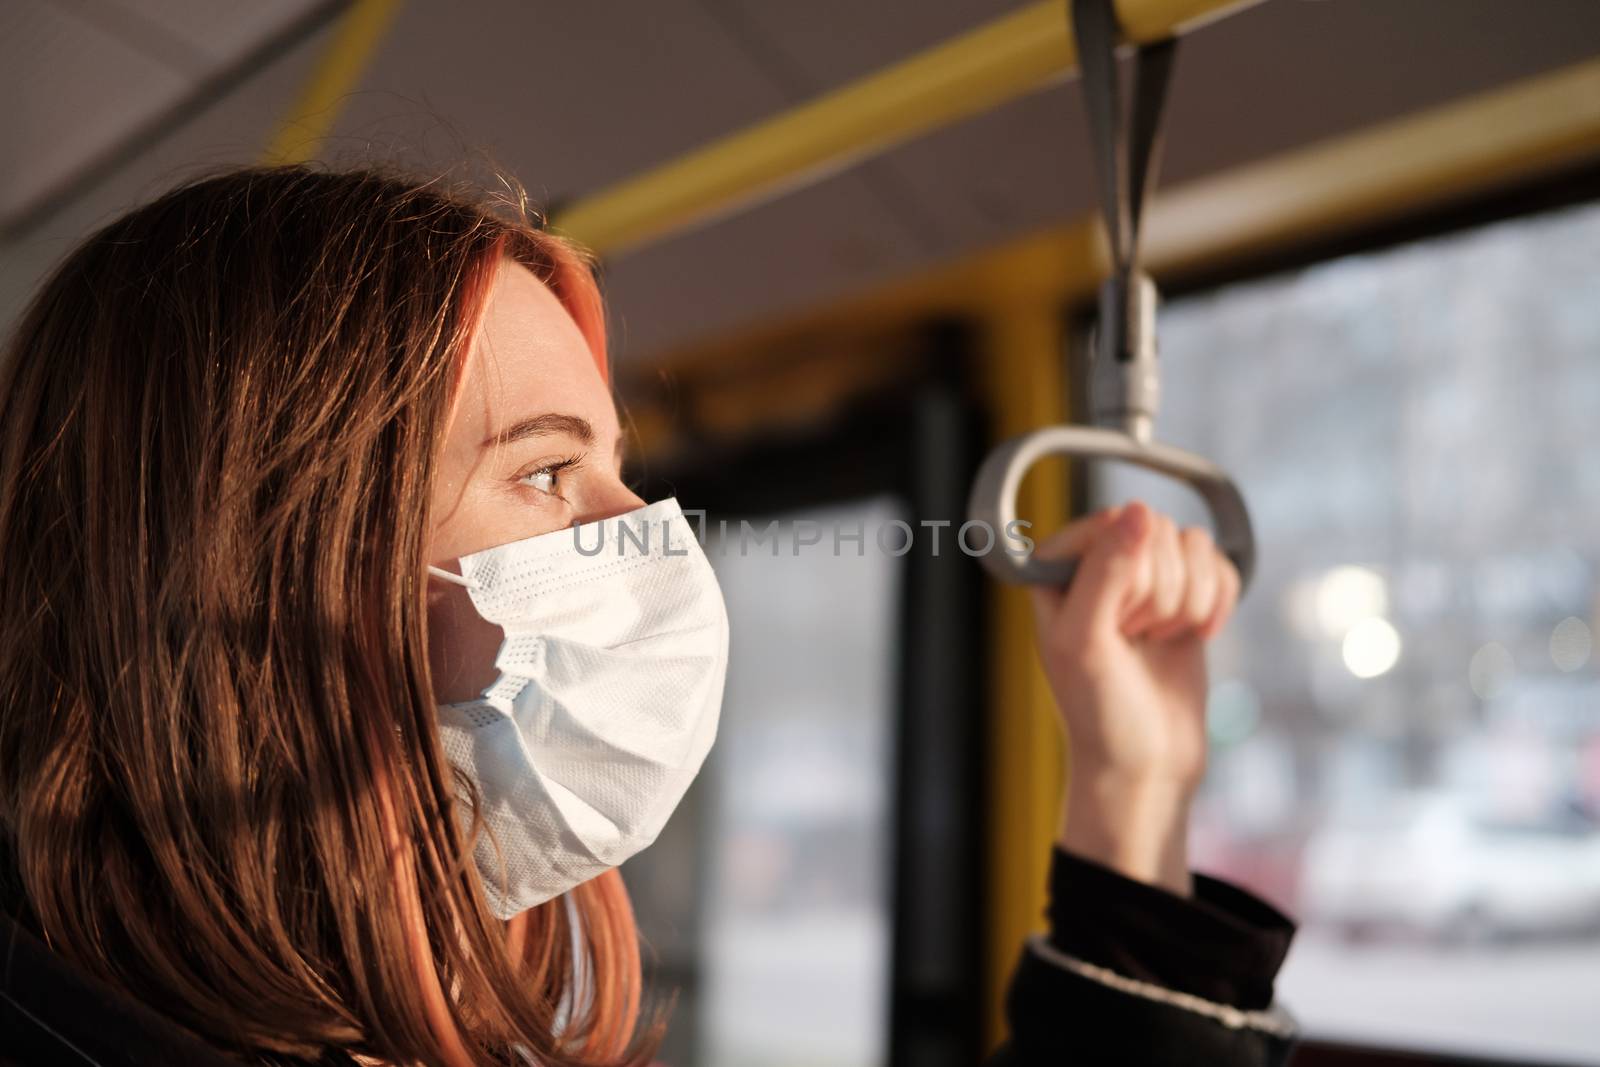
{"x": 221, "y": 783}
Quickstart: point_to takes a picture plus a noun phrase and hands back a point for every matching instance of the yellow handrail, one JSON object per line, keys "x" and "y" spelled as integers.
{"x": 979, "y": 70}
{"x": 1497, "y": 138}
{"x": 338, "y": 71}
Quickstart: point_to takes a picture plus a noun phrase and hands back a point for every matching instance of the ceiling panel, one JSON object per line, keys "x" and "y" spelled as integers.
{"x": 811, "y": 245}
{"x": 571, "y": 97}
{"x": 216, "y": 30}
{"x": 828, "y": 43}
{"x": 1294, "y": 71}
{"x": 80, "y": 90}
{"x": 90, "y": 75}
{"x": 233, "y": 129}
{"x": 1264, "y": 80}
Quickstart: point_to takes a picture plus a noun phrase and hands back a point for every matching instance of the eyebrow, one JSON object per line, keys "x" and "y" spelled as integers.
{"x": 551, "y": 422}
{"x": 548, "y": 423}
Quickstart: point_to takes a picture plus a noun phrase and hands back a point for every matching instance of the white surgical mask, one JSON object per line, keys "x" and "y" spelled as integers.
{"x": 610, "y": 685}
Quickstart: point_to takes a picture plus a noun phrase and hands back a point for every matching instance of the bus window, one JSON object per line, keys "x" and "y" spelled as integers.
{"x": 1405, "y": 716}
{"x": 778, "y": 938}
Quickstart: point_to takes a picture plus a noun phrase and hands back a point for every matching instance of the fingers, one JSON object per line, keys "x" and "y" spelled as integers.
{"x": 1204, "y": 592}
{"x": 1139, "y": 575}
{"x": 1167, "y": 584}
{"x": 1072, "y": 540}
{"x": 1202, "y": 585}
{"x": 1116, "y": 573}
{"x": 1228, "y": 588}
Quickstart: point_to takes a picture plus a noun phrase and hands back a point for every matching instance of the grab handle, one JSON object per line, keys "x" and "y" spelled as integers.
{"x": 994, "y": 497}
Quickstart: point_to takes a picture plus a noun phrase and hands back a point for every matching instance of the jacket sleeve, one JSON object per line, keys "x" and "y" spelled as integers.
{"x": 1133, "y": 974}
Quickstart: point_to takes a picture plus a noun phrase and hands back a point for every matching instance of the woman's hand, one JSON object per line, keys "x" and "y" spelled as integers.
{"x": 1123, "y": 648}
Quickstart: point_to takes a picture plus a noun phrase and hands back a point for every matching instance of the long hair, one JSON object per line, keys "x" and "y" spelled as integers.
{"x": 221, "y": 783}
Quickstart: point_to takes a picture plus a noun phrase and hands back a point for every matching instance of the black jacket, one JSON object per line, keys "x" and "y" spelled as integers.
{"x": 1129, "y": 974}
{"x": 1133, "y": 974}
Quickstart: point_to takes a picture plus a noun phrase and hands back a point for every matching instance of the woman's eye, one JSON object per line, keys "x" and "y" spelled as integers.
{"x": 543, "y": 479}
{"x": 547, "y": 479}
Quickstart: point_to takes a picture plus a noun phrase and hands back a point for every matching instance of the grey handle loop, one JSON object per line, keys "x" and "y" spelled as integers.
{"x": 994, "y": 497}
{"x": 1127, "y": 150}
{"x": 1125, "y": 384}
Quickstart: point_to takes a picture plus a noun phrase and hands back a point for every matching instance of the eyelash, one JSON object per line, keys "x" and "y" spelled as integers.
{"x": 566, "y": 463}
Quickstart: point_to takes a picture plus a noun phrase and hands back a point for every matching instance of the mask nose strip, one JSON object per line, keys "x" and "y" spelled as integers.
{"x": 455, "y": 579}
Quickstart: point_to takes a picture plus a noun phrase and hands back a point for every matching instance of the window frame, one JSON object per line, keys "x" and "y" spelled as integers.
{"x": 921, "y": 439}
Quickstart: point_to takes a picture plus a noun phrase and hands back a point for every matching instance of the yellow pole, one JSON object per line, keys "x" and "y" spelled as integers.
{"x": 1495, "y": 139}
{"x": 1024, "y": 376}
{"x": 1489, "y": 140}
{"x": 997, "y": 62}
{"x": 338, "y": 72}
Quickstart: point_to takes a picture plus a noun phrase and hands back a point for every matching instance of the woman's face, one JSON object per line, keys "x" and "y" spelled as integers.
{"x": 533, "y": 445}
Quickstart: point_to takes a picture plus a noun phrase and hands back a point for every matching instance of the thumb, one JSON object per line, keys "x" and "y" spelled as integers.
{"x": 1075, "y": 537}
{"x": 1071, "y": 541}
{"x": 1115, "y": 571}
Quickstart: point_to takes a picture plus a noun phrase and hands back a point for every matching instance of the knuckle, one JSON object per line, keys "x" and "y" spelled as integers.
{"x": 1227, "y": 597}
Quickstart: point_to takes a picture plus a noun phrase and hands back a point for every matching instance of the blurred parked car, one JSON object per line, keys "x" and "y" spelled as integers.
{"x": 1430, "y": 864}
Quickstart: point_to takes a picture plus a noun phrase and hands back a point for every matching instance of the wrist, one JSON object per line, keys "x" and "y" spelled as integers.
{"x": 1138, "y": 828}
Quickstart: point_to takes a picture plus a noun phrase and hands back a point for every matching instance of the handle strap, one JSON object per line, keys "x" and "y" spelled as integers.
{"x": 1126, "y": 152}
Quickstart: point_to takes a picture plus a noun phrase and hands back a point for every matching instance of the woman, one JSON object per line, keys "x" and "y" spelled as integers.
{"x": 320, "y": 737}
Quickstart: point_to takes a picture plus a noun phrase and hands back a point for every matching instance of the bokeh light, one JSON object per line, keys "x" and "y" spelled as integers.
{"x": 1371, "y": 648}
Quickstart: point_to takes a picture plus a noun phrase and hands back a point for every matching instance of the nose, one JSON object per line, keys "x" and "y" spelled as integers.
{"x": 616, "y": 499}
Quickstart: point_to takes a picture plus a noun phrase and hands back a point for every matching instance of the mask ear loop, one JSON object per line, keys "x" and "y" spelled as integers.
{"x": 454, "y": 579}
